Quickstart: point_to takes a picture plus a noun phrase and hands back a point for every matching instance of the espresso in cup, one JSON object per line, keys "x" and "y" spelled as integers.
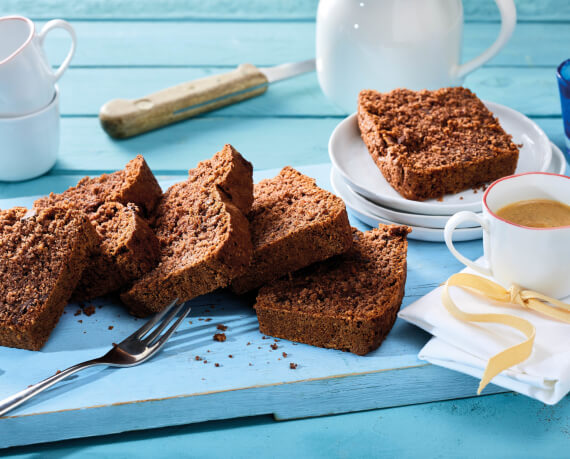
{"x": 536, "y": 213}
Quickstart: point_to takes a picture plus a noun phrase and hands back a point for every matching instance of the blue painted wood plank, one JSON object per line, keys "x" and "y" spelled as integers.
{"x": 185, "y": 43}
{"x": 266, "y": 142}
{"x": 299, "y": 96}
{"x": 176, "y": 388}
{"x": 474, "y": 10}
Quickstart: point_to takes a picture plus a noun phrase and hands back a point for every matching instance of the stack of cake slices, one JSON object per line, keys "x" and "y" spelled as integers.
{"x": 284, "y": 240}
{"x": 418, "y": 157}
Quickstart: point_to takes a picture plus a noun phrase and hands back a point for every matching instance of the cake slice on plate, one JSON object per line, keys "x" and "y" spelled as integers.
{"x": 431, "y": 143}
{"x": 348, "y": 302}
{"x": 293, "y": 223}
{"x": 42, "y": 257}
{"x": 203, "y": 233}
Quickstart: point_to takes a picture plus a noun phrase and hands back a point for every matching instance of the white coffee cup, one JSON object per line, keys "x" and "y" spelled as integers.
{"x": 388, "y": 44}
{"x": 534, "y": 258}
{"x": 26, "y": 78}
{"x": 29, "y": 143}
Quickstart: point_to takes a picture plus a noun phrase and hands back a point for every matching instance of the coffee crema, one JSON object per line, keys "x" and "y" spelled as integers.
{"x": 536, "y": 213}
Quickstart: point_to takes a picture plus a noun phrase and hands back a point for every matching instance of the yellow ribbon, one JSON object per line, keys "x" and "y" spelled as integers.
{"x": 528, "y": 299}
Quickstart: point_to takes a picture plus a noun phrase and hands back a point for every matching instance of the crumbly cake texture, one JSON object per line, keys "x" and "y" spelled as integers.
{"x": 203, "y": 233}
{"x": 134, "y": 184}
{"x": 348, "y": 302}
{"x": 294, "y": 223}
{"x": 129, "y": 248}
{"x": 42, "y": 257}
{"x": 431, "y": 143}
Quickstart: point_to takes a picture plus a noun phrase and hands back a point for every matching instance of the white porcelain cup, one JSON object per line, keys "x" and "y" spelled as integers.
{"x": 534, "y": 258}
{"x": 388, "y": 44}
{"x": 29, "y": 143}
{"x": 27, "y": 81}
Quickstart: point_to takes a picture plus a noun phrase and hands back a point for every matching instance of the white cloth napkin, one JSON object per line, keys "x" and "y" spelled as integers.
{"x": 466, "y": 347}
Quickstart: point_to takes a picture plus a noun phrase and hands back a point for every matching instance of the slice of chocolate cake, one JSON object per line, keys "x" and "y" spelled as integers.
{"x": 293, "y": 223}
{"x": 348, "y": 302}
{"x": 203, "y": 233}
{"x": 42, "y": 257}
{"x": 431, "y": 143}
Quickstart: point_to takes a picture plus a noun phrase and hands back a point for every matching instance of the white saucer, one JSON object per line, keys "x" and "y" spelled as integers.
{"x": 350, "y": 156}
{"x": 418, "y": 232}
{"x": 558, "y": 163}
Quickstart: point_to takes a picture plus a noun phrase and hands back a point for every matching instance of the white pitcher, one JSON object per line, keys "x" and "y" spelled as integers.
{"x": 388, "y": 44}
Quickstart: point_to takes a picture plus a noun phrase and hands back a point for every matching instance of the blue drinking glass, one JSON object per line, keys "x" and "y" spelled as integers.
{"x": 563, "y": 75}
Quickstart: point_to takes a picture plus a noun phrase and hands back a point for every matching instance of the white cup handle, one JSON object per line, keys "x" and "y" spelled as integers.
{"x": 60, "y": 24}
{"x": 508, "y": 22}
{"x": 450, "y": 227}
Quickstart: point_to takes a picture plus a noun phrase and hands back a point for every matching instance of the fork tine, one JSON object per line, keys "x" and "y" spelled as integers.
{"x": 163, "y": 324}
{"x": 158, "y": 344}
{"x": 151, "y": 323}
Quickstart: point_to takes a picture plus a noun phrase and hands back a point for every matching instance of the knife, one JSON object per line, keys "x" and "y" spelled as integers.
{"x": 123, "y": 118}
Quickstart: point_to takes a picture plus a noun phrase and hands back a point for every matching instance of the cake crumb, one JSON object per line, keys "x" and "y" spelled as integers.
{"x": 111, "y": 327}
{"x": 190, "y": 322}
{"x": 205, "y": 361}
{"x": 216, "y": 364}
{"x": 461, "y": 198}
{"x": 264, "y": 337}
{"x": 274, "y": 346}
{"x": 198, "y": 358}
{"x": 58, "y": 372}
{"x": 114, "y": 344}
{"x": 208, "y": 319}
{"x": 440, "y": 199}
{"x": 221, "y": 327}
{"x": 293, "y": 366}
{"x": 80, "y": 321}
{"x": 248, "y": 343}
{"x": 89, "y": 310}
{"x": 77, "y": 313}
{"x": 231, "y": 356}
{"x": 284, "y": 354}
{"x": 221, "y": 337}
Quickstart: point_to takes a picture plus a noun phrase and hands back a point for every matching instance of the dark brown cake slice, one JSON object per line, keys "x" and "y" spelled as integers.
{"x": 129, "y": 248}
{"x": 133, "y": 184}
{"x": 42, "y": 257}
{"x": 203, "y": 233}
{"x": 348, "y": 302}
{"x": 293, "y": 223}
{"x": 431, "y": 143}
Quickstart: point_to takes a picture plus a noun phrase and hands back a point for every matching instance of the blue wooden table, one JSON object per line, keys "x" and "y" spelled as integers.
{"x": 127, "y": 49}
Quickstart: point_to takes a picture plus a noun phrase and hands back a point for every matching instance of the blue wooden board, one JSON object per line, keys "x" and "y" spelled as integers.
{"x": 175, "y": 388}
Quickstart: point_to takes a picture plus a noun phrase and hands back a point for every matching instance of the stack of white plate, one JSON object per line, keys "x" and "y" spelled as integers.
{"x": 357, "y": 180}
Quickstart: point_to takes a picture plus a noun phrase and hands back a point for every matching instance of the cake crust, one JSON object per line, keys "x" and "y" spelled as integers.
{"x": 431, "y": 143}
{"x": 203, "y": 233}
{"x": 42, "y": 257}
{"x": 348, "y": 302}
{"x": 294, "y": 223}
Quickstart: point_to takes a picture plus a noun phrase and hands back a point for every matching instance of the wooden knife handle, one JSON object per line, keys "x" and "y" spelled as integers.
{"x": 122, "y": 118}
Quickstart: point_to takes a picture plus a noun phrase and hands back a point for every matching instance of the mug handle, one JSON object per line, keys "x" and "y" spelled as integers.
{"x": 60, "y": 24}
{"x": 450, "y": 227}
{"x": 508, "y": 22}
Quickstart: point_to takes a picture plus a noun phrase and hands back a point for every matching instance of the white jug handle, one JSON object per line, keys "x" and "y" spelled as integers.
{"x": 450, "y": 226}
{"x": 60, "y": 24}
{"x": 508, "y": 22}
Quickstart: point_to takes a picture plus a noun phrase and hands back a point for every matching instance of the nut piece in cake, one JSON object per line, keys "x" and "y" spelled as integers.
{"x": 203, "y": 233}
{"x": 348, "y": 302}
{"x": 42, "y": 257}
{"x": 431, "y": 143}
{"x": 293, "y": 223}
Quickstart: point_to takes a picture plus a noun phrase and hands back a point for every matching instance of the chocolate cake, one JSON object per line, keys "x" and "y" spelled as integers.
{"x": 42, "y": 257}
{"x": 129, "y": 248}
{"x": 348, "y": 302}
{"x": 134, "y": 184}
{"x": 431, "y": 143}
{"x": 293, "y": 223}
{"x": 203, "y": 233}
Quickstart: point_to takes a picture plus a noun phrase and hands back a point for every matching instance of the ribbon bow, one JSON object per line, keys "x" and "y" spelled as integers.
{"x": 528, "y": 299}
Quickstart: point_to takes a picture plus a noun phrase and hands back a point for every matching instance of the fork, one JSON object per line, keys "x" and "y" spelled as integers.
{"x": 133, "y": 350}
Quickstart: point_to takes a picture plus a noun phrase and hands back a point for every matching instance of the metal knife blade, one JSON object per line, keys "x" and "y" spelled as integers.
{"x": 289, "y": 70}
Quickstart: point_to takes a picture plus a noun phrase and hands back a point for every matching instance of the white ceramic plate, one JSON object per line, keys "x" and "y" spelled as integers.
{"x": 350, "y": 156}
{"x": 557, "y": 166}
{"x": 418, "y": 232}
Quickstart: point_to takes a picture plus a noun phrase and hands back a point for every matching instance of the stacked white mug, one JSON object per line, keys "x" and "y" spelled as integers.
{"x": 29, "y": 98}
